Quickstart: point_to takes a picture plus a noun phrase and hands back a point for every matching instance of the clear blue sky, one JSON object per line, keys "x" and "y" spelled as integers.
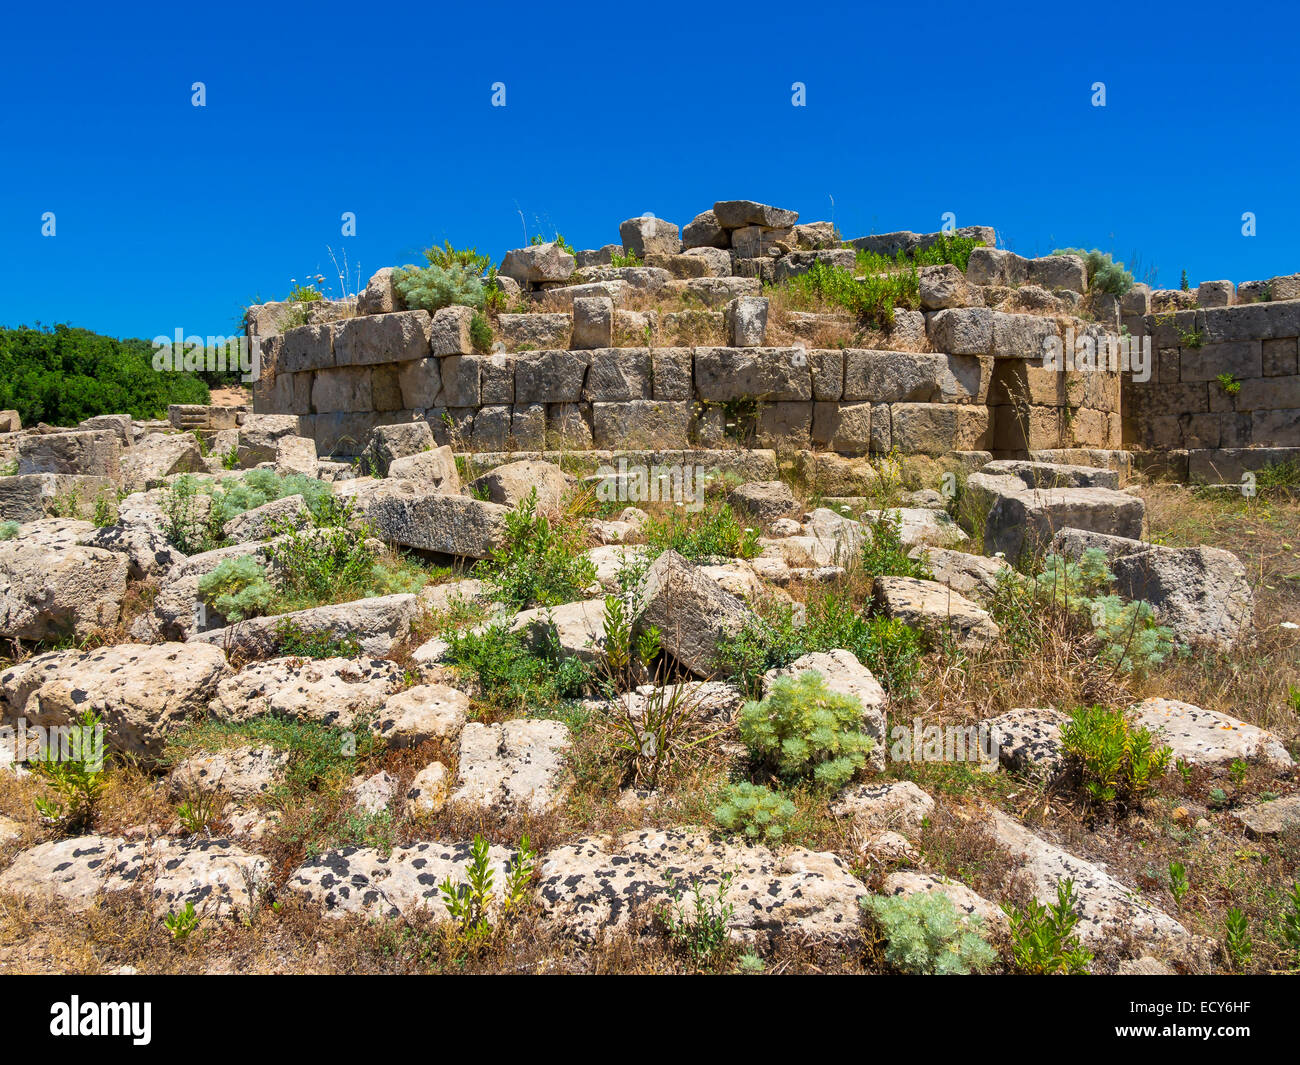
{"x": 170, "y": 216}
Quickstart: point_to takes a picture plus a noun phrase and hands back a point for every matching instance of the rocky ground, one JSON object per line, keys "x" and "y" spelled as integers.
{"x": 415, "y": 663}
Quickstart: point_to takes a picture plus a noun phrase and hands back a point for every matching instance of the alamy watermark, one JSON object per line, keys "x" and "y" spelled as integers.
{"x": 213, "y": 354}
{"x": 1107, "y": 353}
{"x": 55, "y": 743}
{"x": 633, "y": 483}
{"x": 920, "y": 742}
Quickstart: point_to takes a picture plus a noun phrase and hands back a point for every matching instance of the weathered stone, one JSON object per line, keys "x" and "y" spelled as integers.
{"x": 449, "y": 331}
{"x": 1271, "y": 818}
{"x": 212, "y": 874}
{"x": 380, "y": 338}
{"x": 430, "y": 788}
{"x": 899, "y": 805}
{"x": 736, "y": 214}
{"x": 704, "y": 231}
{"x": 1028, "y": 739}
{"x": 770, "y": 374}
{"x": 538, "y": 263}
{"x": 971, "y": 575}
{"x": 550, "y": 377}
{"x": 594, "y": 886}
{"x": 407, "y": 514}
{"x": 593, "y": 322}
{"x": 945, "y": 286}
{"x": 1200, "y": 592}
{"x": 378, "y": 884}
{"x": 962, "y": 331}
{"x": 690, "y": 611}
{"x": 95, "y": 452}
{"x": 268, "y": 520}
{"x": 1209, "y": 738}
{"x": 515, "y": 766}
{"x": 50, "y": 593}
{"x": 619, "y": 375}
{"x": 642, "y": 423}
{"x": 935, "y": 609}
{"x": 746, "y": 319}
{"x": 379, "y": 296}
{"x": 764, "y": 500}
{"x": 238, "y": 772}
{"x": 423, "y": 713}
{"x": 390, "y": 442}
{"x": 296, "y": 454}
{"x": 140, "y": 691}
{"x": 434, "y": 469}
{"x": 576, "y": 629}
{"x": 512, "y": 483}
{"x": 330, "y": 691}
{"x": 376, "y": 624}
{"x": 1107, "y": 909}
{"x": 648, "y": 235}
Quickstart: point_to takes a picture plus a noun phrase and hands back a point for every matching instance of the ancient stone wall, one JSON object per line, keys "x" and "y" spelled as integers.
{"x": 980, "y": 389}
{"x": 1224, "y": 393}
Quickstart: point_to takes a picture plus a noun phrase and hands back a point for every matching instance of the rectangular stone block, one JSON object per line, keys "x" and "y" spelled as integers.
{"x": 1242, "y": 359}
{"x": 496, "y": 378}
{"x": 309, "y": 347}
{"x": 618, "y": 374}
{"x": 1022, "y": 336}
{"x": 786, "y": 427}
{"x": 1252, "y": 321}
{"x": 961, "y": 330}
{"x": 460, "y": 381}
{"x": 1275, "y": 428}
{"x": 844, "y": 427}
{"x": 641, "y": 424}
{"x": 378, "y": 338}
{"x": 345, "y": 389}
{"x": 1021, "y": 428}
{"x": 528, "y": 427}
{"x": 491, "y": 430}
{"x": 772, "y": 374}
{"x": 420, "y": 381}
{"x": 1267, "y": 393}
{"x": 89, "y": 452}
{"x": 1279, "y": 357}
{"x": 910, "y": 377}
{"x": 937, "y": 428}
{"x": 568, "y": 426}
{"x": 672, "y": 373}
{"x": 550, "y": 376}
{"x": 385, "y": 389}
{"x": 827, "y": 374}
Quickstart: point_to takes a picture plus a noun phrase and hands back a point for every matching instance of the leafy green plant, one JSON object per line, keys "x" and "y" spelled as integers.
{"x": 1104, "y": 274}
{"x": 883, "y": 553}
{"x": 323, "y": 564}
{"x": 75, "y": 774}
{"x": 622, "y": 259}
{"x": 480, "y": 332}
{"x": 1291, "y": 919}
{"x": 655, "y": 728}
{"x": 802, "y": 729}
{"x": 199, "y": 809}
{"x": 702, "y": 535}
{"x": 699, "y": 928}
{"x": 469, "y": 904}
{"x": 1115, "y": 760}
{"x": 1043, "y": 940}
{"x": 539, "y": 562}
{"x": 1179, "y": 885}
{"x": 754, "y": 811}
{"x": 9, "y": 530}
{"x": 292, "y": 639}
{"x": 1228, "y": 382}
{"x": 432, "y": 287}
{"x": 237, "y": 588}
{"x": 105, "y": 513}
{"x": 927, "y": 936}
{"x": 511, "y": 675}
{"x": 180, "y": 924}
{"x": 1237, "y": 942}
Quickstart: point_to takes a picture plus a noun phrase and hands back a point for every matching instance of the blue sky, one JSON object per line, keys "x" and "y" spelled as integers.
{"x": 172, "y": 216}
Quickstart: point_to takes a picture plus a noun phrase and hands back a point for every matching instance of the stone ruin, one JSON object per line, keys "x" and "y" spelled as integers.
{"x": 681, "y": 353}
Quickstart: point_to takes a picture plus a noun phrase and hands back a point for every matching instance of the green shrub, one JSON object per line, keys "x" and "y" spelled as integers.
{"x": 292, "y": 639}
{"x": 513, "y": 676}
{"x": 805, "y": 730}
{"x": 702, "y": 535}
{"x": 538, "y": 563}
{"x": 237, "y": 588}
{"x": 756, "y": 812}
{"x": 1104, "y": 274}
{"x": 63, "y": 375}
{"x": 76, "y": 777}
{"x": 448, "y": 257}
{"x": 433, "y": 287}
{"x": 890, "y": 648}
{"x": 1043, "y": 940}
{"x": 235, "y": 495}
{"x": 9, "y": 530}
{"x": 1116, "y": 761}
{"x": 883, "y": 553}
{"x": 480, "y": 332}
{"x": 322, "y": 565}
{"x": 699, "y": 929}
{"x": 928, "y": 937}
